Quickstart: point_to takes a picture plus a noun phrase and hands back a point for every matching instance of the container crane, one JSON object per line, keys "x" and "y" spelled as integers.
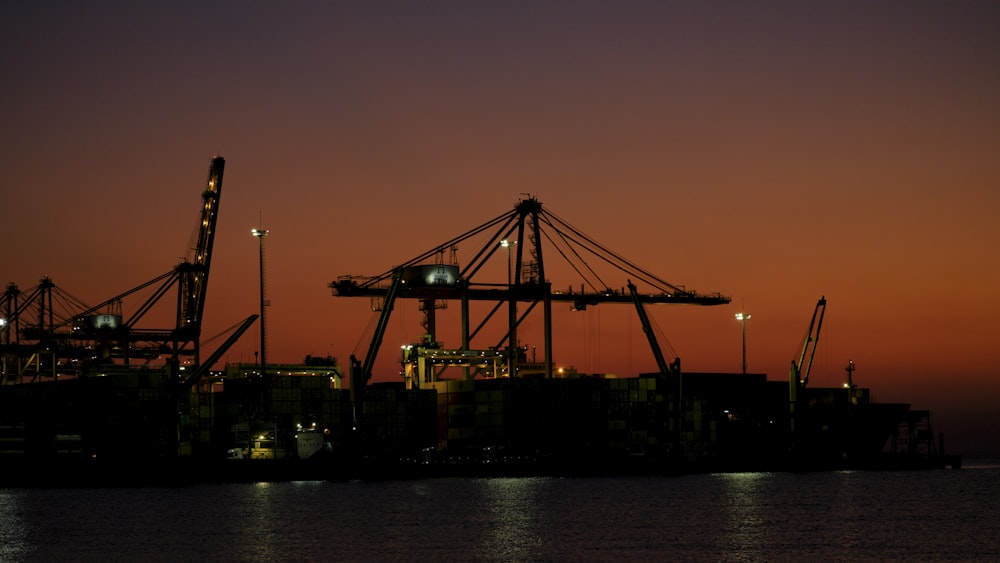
{"x": 526, "y": 282}
{"x": 80, "y": 332}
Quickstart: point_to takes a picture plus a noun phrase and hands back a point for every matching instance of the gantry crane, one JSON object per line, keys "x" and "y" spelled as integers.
{"x": 80, "y": 333}
{"x": 519, "y": 235}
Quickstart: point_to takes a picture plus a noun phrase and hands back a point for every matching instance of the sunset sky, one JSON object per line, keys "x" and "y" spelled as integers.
{"x": 775, "y": 152}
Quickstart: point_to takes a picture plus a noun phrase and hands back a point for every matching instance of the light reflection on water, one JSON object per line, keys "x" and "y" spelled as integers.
{"x": 13, "y": 536}
{"x": 511, "y": 505}
{"x": 860, "y": 516}
{"x": 743, "y": 531}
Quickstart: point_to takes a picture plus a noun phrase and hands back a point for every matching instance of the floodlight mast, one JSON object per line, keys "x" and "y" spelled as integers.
{"x": 743, "y": 318}
{"x": 260, "y": 234}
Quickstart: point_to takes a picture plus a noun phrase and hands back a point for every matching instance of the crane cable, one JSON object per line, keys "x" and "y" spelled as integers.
{"x": 661, "y": 337}
{"x": 366, "y": 334}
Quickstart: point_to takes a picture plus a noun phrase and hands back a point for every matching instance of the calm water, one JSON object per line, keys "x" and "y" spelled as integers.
{"x": 848, "y": 516}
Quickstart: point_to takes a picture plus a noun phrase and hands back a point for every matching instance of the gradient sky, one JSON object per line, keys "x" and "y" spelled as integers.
{"x": 774, "y": 152}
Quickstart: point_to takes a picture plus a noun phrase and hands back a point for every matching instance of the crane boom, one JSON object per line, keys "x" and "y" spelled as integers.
{"x": 196, "y": 285}
{"x": 798, "y": 376}
{"x": 201, "y": 370}
{"x": 193, "y": 275}
{"x": 361, "y": 373}
{"x": 654, "y": 345}
{"x": 804, "y": 365}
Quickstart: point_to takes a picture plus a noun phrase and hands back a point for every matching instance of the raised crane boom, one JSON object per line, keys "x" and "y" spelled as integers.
{"x": 798, "y": 376}
{"x": 194, "y": 274}
{"x": 194, "y": 305}
{"x": 802, "y": 368}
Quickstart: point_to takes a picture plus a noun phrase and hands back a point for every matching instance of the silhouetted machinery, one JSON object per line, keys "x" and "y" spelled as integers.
{"x": 48, "y": 333}
{"x": 518, "y": 235}
{"x": 798, "y": 376}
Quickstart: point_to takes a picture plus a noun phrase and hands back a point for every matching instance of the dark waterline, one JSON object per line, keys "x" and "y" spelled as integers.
{"x": 844, "y": 516}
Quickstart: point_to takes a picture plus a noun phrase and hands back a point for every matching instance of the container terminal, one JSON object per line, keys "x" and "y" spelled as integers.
{"x": 91, "y": 394}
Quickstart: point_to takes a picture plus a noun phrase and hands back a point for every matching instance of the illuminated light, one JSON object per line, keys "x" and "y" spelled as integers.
{"x": 743, "y": 317}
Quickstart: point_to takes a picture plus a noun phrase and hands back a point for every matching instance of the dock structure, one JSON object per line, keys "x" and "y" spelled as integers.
{"x": 89, "y": 391}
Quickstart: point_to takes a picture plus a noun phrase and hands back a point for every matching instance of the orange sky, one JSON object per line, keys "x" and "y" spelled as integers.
{"x": 772, "y": 153}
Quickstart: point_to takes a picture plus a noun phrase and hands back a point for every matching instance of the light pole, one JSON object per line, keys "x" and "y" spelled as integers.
{"x": 507, "y": 244}
{"x": 512, "y": 314}
{"x": 260, "y": 234}
{"x": 743, "y": 318}
{"x": 850, "y": 386}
